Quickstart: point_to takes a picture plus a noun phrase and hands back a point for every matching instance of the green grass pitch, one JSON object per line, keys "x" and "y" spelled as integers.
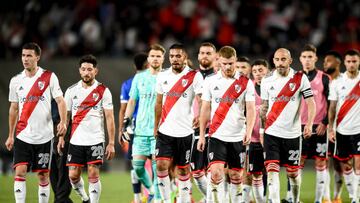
{"x": 116, "y": 188}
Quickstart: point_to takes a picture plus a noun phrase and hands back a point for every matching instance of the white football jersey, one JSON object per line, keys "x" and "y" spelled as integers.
{"x": 232, "y": 126}
{"x": 35, "y": 119}
{"x": 287, "y": 125}
{"x": 90, "y": 130}
{"x": 340, "y": 89}
{"x": 178, "y": 122}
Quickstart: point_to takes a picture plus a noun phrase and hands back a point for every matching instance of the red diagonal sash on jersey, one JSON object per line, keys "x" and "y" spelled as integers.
{"x": 287, "y": 91}
{"x": 32, "y": 99}
{"x": 348, "y": 103}
{"x": 90, "y": 101}
{"x": 179, "y": 88}
{"x": 231, "y": 94}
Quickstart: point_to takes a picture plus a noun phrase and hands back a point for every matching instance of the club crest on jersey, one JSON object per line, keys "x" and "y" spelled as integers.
{"x": 292, "y": 86}
{"x": 184, "y": 82}
{"x": 237, "y": 88}
{"x": 41, "y": 85}
{"x": 95, "y": 96}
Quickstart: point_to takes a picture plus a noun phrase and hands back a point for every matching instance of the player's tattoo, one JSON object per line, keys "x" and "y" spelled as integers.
{"x": 263, "y": 111}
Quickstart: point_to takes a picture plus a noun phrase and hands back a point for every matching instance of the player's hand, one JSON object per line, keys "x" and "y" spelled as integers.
{"x": 9, "y": 143}
{"x": 247, "y": 139}
{"x": 307, "y": 131}
{"x": 201, "y": 144}
{"x": 61, "y": 129}
{"x": 195, "y": 122}
{"x": 127, "y": 130}
{"x": 110, "y": 151}
{"x": 332, "y": 135}
{"x": 156, "y": 132}
{"x": 60, "y": 145}
{"x": 321, "y": 129}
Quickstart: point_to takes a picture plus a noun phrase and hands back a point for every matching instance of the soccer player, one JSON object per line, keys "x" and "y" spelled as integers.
{"x": 174, "y": 123}
{"x": 143, "y": 91}
{"x": 140, "y": 63}
{"x": 30, "y": 94}
{"x": 224, "y": 97}
{"x": 281, "y": 94}
{"x": 199, "y": 160}
{"x": 243, "y": 66}
{"x": 344, "y": 122}
{"x": 260, "y": 68}
{"x": 89, "y": 103}
{"x": 316, "y": 147}
{"x": 332, "y": 63}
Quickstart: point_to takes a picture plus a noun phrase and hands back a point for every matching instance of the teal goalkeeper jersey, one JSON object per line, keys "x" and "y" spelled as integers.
{"x": 143, "y": 90}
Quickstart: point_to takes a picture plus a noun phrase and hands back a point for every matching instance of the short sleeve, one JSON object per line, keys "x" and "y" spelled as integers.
{"x": 107, "y": 102}
{"x": 68, "y": 100}
{"x": 158, "y": 87}
{"x": 134, "y": 90}
{"x": 198, "y": 81}
{"x": 333, "y": 95}
{"x": 13, "y": 97}
{"x": 55, "y": 87}
{"x": 124, "y": 94}
{"x": 263, "y": 90}
{"x": 206, "y": 94}
{"x": 305, "y": 88}
{"x": 250, "y": 91}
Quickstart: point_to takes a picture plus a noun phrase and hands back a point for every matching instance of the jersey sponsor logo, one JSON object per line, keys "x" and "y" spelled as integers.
{"x": 176, "y": 92}
{"x": 86, "y": 105}
{"x": 216, "y": 88}
{"x": 229, "y": 97}
{"x": 283, "y": 98}
{"x": 31, "y": 100}
{"x": 349, "y": 102}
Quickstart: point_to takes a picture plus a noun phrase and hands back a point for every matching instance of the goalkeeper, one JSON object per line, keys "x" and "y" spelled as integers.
{"x": 143, "y": 91}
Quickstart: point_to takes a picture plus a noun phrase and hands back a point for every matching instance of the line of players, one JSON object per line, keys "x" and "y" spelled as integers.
{"x": 222, "y": 118}
{"x": 233, "y": 112}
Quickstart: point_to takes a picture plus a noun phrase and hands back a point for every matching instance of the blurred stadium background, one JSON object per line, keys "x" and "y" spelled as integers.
{"x": 113, "y": 30}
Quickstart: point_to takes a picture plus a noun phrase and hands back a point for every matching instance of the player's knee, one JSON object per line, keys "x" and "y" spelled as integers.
{"x": 20, "y": 171}
{"x": 235, "y": 177}
{"x": 198, "y": 174}
{"x": 43, "y": 176}
{"x": 74, "y": 175}
{"x": 138, "y": 166}
{"x": 93, "y": 171}
{"x": 183, "y": 171}
{"x": 216, "y": 176}
{"x": 162, "y": 165}
{"x": 257, "y": 176}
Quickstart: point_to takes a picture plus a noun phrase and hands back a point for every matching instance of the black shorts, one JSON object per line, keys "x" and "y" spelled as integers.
{"x": 347, "y": 146}
{"x": 256, "y": 158}
{"x": 314, "y": 147}
{"x": 331, "y": 148}
{"x": 199, "y": 160}
{"x": 230, "y": 153}
{"x": 286, "y": 152}
{"x": 85, "y": 155}
{"x": 36, "y": 156}
{"x": 176, "y": 148}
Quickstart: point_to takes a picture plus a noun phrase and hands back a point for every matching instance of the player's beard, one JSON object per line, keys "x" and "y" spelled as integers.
{"x": 178, "y": 67}
{"x": 87, "y": 80}
{"x": 282, "y": 70}
{"x": 330, "y": 70}
{"x": 206, "y": 64}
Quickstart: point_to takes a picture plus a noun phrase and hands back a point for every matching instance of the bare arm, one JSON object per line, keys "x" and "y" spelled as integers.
{"x": 310, "y": 102}
{"x": 204, "y": 119}
{"x": 331, "y": 116}
{"x": 130, "y": 107}
{"x": 13, "y": 115}
{"x": 110, "y": 124}
{"x": 250, "y": 120}
{"x": 263, "y": 111}
{"x": 62, "y": 126}
{"x": 158, "y": 110}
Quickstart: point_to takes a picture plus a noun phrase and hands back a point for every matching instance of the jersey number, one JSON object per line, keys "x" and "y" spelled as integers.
{"x": 294, "y": 156}
{"x": 97, "y": 151}
{"x": 321, "y": 148}
{"x": 44, "y": 159}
